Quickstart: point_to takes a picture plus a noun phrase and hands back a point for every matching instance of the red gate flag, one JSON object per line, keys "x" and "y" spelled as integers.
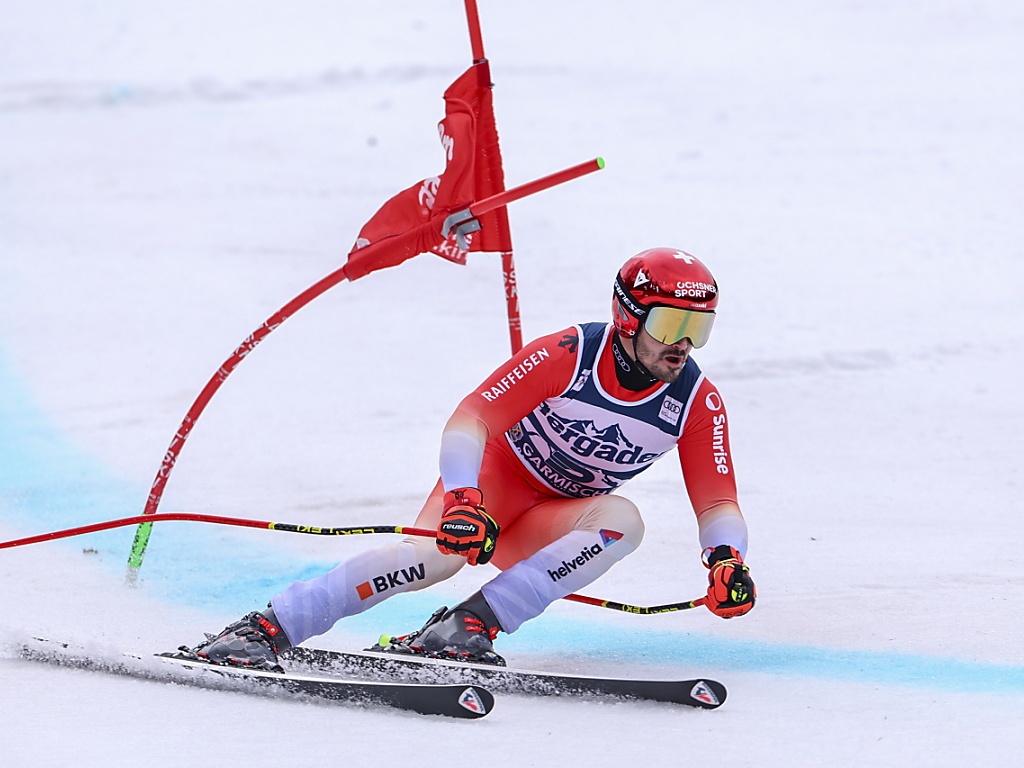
{"x": 410, "y": 223}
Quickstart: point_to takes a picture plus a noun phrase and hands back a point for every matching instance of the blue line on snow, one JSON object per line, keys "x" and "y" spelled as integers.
{"x": 691, "y": 651}
{"x": 46, "y": 483}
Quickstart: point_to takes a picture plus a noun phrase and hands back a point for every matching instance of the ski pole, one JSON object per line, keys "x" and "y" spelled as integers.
{"x": 316, "y": 531}
{"x": 196, "y": 518}
{"x": 644, "y": 611}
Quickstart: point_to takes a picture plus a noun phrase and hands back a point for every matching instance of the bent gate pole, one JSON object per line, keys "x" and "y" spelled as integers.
{"x": 142, "y": 534}
{"x": 144, "y": 530}
{"x": 163, "y": 474}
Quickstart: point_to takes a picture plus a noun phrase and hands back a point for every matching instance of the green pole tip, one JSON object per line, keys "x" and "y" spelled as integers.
{"x": 600, "y": 162}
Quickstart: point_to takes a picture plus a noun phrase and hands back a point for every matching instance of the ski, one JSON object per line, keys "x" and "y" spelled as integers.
{"x": 461, "y": 700}
{"x": 698, "y": 692}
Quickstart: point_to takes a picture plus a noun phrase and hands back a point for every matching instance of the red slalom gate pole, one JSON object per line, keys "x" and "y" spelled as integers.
{"x": 508, "y": 266}
{"x": 476, "y": 39}
{"x": 515, "y": 322}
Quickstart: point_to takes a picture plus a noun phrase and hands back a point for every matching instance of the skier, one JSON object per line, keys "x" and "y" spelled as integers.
{"x": 536, "y": 452}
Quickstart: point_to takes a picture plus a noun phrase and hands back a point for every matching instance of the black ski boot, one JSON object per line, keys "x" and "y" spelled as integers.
{"x": 464, "y": 633}
{"x": 253, "y": 641}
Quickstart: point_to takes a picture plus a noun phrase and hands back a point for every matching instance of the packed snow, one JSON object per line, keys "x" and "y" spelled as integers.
{"x": 172, "y": 173}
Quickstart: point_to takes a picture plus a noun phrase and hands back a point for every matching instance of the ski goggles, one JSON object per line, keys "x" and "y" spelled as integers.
{"x": 670, "y": 325}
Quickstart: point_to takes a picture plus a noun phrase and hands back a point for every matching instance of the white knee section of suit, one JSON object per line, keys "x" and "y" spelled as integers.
{"x": 523, "y": 591}
{"x": 309, "y": 608}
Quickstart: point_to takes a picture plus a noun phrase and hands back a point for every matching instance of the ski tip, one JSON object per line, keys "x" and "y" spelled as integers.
{"x": 600, "y": 162}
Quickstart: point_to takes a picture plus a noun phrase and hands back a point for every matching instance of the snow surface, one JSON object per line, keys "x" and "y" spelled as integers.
{"x": 172, "y": 173}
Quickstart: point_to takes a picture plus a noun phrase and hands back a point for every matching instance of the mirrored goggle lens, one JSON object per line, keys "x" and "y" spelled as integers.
{"x": 669, "y": 325}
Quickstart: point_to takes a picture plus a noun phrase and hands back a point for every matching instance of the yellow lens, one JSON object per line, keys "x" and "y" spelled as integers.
{"x": 669, "y": 325}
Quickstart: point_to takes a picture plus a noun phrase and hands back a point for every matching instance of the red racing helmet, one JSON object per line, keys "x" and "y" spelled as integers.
{"x": 668, "y": 292}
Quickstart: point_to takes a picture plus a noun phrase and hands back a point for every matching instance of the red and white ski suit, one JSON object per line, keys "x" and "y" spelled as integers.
{"x": 547, "y": 437}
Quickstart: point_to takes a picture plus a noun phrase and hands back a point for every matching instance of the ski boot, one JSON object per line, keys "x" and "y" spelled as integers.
{"x": 253, "y": 641}
{"x": 464, "y": 633}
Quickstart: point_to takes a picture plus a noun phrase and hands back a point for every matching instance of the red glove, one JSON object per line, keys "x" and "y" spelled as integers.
{"x": 465, "y": 528}
{"x": 731, "y": 591}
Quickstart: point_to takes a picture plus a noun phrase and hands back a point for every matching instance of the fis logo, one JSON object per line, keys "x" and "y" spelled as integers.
{"x": 399, "y": 578}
